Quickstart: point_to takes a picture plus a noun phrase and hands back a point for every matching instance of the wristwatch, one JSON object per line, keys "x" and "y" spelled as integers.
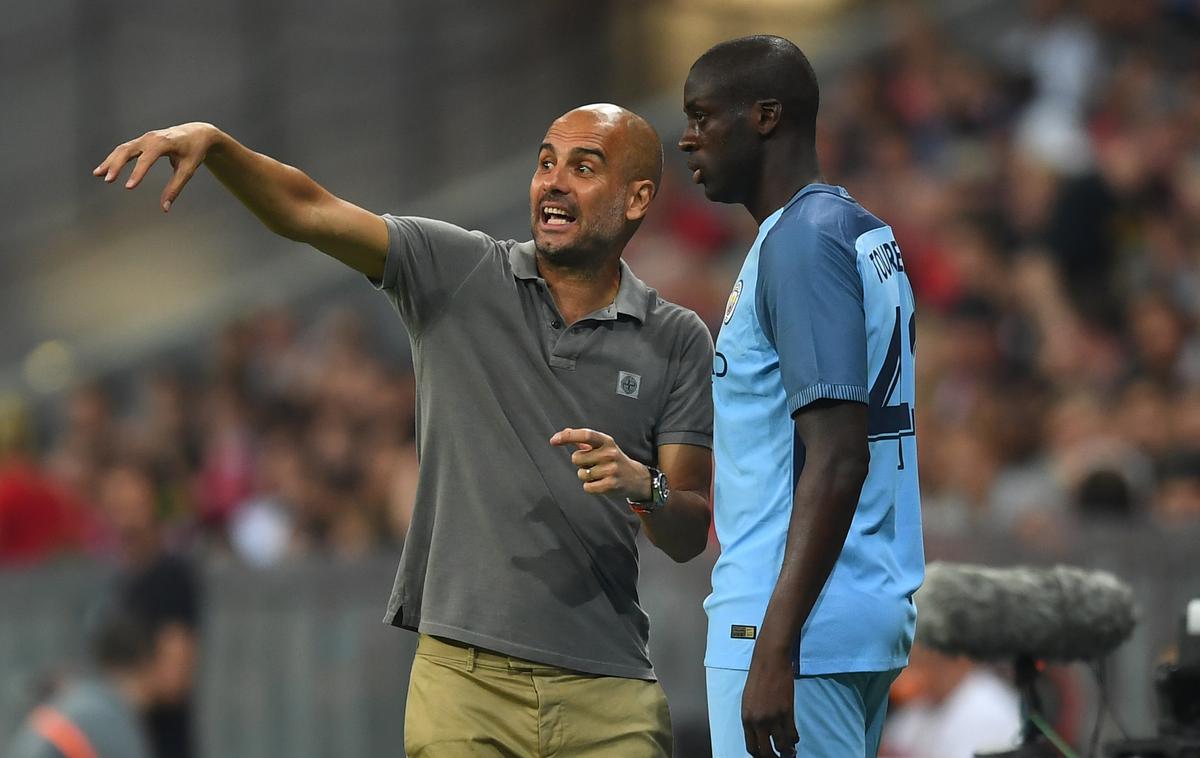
{"x": 659, "y": 492}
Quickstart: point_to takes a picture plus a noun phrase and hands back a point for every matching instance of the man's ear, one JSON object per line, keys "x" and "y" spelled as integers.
{"x": 641, "y": 193}
{"x": 766, "y": 116}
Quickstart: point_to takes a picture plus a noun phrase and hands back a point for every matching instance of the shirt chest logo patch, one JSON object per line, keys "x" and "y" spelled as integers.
{"x": 628, "y": 384}
{"x": 731, "y": 304}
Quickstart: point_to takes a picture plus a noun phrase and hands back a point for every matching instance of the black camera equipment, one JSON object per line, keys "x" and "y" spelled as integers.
{"x": 1178, "y": 687}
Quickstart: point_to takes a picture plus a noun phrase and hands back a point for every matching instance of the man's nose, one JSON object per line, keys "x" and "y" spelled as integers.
{"x": 687, "y": 140}
{"x": 554, "y": 180}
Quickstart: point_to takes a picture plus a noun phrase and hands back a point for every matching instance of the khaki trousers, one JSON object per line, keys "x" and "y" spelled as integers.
{"x": 465, "y": 702}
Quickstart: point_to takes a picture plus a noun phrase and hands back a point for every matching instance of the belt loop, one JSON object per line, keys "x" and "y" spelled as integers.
{"x": 470, "y": 659}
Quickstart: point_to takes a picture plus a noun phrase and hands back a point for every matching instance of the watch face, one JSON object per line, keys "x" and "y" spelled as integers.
{"x": 661, "y": 490}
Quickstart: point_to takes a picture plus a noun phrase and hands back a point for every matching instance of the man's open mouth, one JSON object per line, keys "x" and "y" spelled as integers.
{"x": 554, "y": 216}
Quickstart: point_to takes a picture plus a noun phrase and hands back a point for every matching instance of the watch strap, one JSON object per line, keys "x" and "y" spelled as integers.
{"x": 658, "y": 495}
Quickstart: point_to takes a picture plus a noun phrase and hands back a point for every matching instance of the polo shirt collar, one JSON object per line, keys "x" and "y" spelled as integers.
{"x": 521, "y": 259}
{"x": 632, "y": 296}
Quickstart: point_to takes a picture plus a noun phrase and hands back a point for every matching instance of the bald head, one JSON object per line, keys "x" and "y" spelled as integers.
{"x": 763, "y": 67}
{"x": 598, "y": 171}
{"x": 635, "y": 145}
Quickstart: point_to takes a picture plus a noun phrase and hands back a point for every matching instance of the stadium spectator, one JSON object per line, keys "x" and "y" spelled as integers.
{"x": 265, "y": 528}
{"x": 1177, "y": 501}
{"x": 159, "y": 589}
{"x": 950, "y": 707}
{"x": 85, "y": 444}
{"x": 39, "y": 518}
{"x": 100, "y": 715}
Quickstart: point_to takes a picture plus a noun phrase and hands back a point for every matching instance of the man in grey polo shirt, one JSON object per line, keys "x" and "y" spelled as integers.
{"x": 520, "y": 567}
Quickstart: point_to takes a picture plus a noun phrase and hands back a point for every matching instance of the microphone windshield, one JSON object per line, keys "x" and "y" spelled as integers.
{"x": 1060, "y": 614}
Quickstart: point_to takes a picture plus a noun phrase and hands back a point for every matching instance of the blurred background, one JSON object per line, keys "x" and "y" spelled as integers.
{"x": 211, "y": 429}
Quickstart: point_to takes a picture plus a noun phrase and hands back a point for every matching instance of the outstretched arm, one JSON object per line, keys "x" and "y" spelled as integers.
{"x": 285, "y": 199}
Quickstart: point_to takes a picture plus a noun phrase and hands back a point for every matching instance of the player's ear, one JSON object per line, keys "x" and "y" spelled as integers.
{"x": 641, "y": 193}
{"x": 766, "y": 115}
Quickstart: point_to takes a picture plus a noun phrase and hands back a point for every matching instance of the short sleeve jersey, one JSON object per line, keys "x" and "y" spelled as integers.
{"x": 822, "y": 310}
{"x": 505, "y": 549}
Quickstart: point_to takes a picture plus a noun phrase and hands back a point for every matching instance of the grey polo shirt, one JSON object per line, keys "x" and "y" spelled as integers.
{"x": 505, "y": 550}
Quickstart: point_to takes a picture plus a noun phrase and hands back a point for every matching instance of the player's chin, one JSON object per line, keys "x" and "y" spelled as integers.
{"x": 714, "y": 191}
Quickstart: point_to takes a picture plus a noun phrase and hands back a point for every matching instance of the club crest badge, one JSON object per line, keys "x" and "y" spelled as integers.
{"x": 733, "y": 301}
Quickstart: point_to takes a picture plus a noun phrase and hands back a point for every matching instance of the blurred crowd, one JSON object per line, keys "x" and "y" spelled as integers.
{"x": 1047, "y": 198}
{"x": 279, "y": 443}
{"x": 1045, "y": 190}
{"x": 1044, "y": 186}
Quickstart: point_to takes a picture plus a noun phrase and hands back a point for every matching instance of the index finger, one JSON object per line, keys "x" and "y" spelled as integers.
{"x": 590, "y": 437}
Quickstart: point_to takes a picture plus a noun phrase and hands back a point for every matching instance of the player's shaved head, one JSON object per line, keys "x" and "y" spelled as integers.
{"x": 634, "y": 143}
{"x": 763, "y": 67}
{"x": 751, "y": 104}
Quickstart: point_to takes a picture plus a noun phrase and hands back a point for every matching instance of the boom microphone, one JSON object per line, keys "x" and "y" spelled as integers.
{"x": 989, "y": 614}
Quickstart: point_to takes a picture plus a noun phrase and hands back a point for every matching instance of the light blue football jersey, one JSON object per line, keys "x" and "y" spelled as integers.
{"x": 822, "y": 309}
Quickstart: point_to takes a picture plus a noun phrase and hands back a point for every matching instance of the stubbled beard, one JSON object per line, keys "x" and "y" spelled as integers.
{"x": 590, "y": 246}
